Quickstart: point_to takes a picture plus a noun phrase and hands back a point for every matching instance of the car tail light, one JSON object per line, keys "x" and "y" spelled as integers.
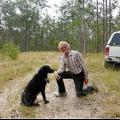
{"x": 107, "y": 51}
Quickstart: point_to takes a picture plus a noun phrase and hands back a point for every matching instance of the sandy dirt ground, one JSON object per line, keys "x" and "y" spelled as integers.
{"x": 65, "y": 107}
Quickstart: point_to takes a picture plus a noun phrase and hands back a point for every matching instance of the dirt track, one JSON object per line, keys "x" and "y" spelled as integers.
{"x": 67, "y": 107}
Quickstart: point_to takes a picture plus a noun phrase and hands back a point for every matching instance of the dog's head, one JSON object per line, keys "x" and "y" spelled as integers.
{"x": 45, "y": 69}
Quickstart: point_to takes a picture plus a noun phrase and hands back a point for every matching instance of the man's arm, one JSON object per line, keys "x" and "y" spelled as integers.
{"x": 62, "y": 68}
{"x": 81, "y": 61}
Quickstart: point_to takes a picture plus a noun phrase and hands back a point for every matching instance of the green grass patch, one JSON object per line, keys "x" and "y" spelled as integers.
{"x": 26, "y": 62}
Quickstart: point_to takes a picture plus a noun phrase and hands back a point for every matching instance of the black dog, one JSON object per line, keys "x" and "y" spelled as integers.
{"x": 35, "y": 86}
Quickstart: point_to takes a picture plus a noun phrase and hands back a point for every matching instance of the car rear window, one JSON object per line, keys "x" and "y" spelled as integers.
{"x": 115, "y": 40}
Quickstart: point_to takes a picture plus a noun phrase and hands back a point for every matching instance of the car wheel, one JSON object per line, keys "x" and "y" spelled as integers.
{"x": 107, "y": 65}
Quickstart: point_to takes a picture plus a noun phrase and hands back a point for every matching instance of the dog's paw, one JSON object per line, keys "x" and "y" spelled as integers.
{"x": 46, "y": 101}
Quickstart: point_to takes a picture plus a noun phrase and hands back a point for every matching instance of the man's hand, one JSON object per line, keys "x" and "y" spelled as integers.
{"x": 86, "y": 82}
{"x": 57, "y": 77}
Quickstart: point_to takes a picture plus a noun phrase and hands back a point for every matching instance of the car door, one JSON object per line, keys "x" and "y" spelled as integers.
{"x": 114, "y": 45}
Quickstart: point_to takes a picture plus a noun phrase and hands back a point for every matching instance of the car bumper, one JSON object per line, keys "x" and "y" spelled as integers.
{"x": 113, "y": 60}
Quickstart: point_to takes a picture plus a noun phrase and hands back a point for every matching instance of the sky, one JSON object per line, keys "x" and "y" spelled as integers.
{"x": 53, "y": 3}
{"x": 52, "y": 10}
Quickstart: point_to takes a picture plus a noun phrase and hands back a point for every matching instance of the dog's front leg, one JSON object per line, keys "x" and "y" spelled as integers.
{"x": 44, "y": 97}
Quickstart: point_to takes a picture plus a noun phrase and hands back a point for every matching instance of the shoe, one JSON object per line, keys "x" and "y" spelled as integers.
{"x": 82, "y": 94}
{"x": 61, "y": 94}
{"x": 36, "y": 104}
{"x": 46, "y": 102}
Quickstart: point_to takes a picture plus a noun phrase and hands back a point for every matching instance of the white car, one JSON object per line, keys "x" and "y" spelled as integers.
{"x": 112, "y": 51}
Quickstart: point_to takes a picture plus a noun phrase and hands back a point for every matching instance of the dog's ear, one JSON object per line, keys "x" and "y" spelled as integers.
{"x": 40, "y": 70}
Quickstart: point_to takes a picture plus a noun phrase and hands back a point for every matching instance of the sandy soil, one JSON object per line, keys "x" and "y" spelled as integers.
{"x": 65, "y": 107}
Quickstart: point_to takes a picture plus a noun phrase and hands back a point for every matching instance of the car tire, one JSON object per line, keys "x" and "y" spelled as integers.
{"x": 107, "y": 65}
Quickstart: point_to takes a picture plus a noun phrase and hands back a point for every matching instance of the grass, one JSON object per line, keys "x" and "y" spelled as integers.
{"x": 25, "y": 63}
{"x": 107, "y": 80}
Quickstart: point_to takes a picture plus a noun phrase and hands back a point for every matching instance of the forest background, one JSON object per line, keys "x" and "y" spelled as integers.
{"x": 85, "y": 24}
{"x": 30, "y": 33}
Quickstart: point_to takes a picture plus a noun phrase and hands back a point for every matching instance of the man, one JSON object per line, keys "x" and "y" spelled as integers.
{"x": 73, "y": 61}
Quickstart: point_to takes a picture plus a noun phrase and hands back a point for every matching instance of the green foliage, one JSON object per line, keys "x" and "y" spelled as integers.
{"x": 11, "y": 50}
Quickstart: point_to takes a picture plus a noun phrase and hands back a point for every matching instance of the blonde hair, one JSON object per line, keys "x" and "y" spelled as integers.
{"x": 63, "y": 44}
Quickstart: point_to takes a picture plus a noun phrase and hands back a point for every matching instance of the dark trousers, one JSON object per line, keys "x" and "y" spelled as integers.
{"x": 78, "y": 80}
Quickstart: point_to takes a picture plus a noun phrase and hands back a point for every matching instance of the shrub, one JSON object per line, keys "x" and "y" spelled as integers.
{"x": 11, "y": 50}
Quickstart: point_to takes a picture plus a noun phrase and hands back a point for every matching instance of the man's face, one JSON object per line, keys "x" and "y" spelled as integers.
{"x": 63, "y": 49}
